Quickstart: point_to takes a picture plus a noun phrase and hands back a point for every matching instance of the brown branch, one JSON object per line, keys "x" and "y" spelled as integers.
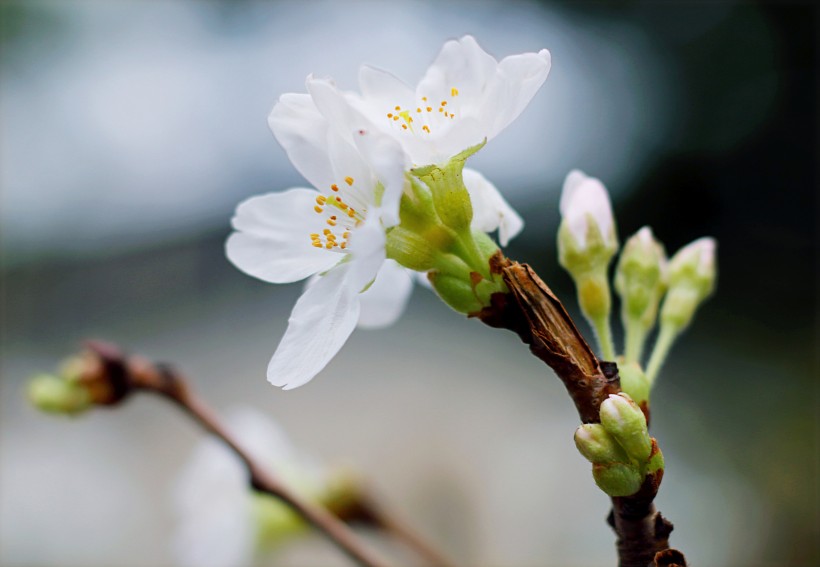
{"x": 133, "y": 373}
{"x": 532, "y": 311}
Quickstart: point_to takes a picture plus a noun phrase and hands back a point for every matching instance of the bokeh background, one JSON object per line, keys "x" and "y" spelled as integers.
{"x": 129, "y": 131}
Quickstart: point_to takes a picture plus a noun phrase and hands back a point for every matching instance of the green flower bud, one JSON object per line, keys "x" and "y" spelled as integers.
{"x": 640, "y": 275}
{"x": 410, "y": 249}
{"x": 634, "y": 382}
{"x": 625, "y": 421}
{"x": 457, "y": 292}
{"x": 597, "y": 445}
{"x": 593, "y": 295}
{"x": 275, "y": 521}
{"x": 692, "y": 274}
{"x": 617, "y": 479}
{"x": 450, "y": 197}
{"x": 56, "y": 395}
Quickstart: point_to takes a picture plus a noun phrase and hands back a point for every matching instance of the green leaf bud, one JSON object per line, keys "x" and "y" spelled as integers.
{"x": 618, "y": 479}
{"x": 625, "y": 421}
{"x": 597, "y": 445}
{"x": 57, "y": 395}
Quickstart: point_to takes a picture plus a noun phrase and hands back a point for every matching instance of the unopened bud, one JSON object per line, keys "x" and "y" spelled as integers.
{"x": 618, "y": 479}
{"x": 597, "y": 445}
{"x": 692, "y": 274}
{"x": 458, "y": 293}
{"x": 276, "y": 522}
{"x": 53, "y": 394}
{"x": 625, "y": 421}
{"x": 586, "y": 238}
{"x": 410, "y": 249}
{"x": 639, "y": 277}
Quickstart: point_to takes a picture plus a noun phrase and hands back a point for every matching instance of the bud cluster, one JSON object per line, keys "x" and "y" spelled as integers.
{"x": 620, "y": 449}
{"x": 650, "y": 288}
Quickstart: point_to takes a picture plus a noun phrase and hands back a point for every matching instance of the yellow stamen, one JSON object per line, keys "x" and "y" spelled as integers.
{"x": 321, "y": 200}
{"x": 429, "y": 108}
{"x": 326, "y": 231}
{"x": 334, "y": 187}
{"x": 454, "y": 92}
{"x": 344, "y": 245}
{"x": 317, "y": 244}
{"x": 314, "y": 235}
{"x": 390, "y": 115}
{"x": 349, "y": 180}
{"x": 318, "y": 209}
{"x": 426, "y": 128}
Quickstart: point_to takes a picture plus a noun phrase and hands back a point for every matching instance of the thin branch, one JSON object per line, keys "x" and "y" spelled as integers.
{"x": 141, "y": 374}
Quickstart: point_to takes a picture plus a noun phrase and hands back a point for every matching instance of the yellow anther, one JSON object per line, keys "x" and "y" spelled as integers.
{"x": 334, "y": 187}
{"x": 318, "y": 209}
{"x": 330, "y": 245}
{"x": 326, "y": 231}
{"x": 331, "y": 222}
{"x": 314, "y": 235}
{"x": 424, "y": 98}
{"x": 332, "y": 217}
{"x": 344, "y": 245}
{"x": 397, "y": 108}
{"x": 351, "y": 213}
{"x": 395, "y": 118}
{"x": 331, "y": 238}
{"x": 426, "y": 128}
{"x": 317, "y": 244}
{"x": 343, "y": 206}
{"x": 349, "y": 180}
{"x": 404, "y": 126}
{"x": 429, "y": 108}
{"x": 440, "y": 109}
{"x": 454, "y": 92}
{"x": 443, "y": 103}
{"x": 321, "y": 200}
{"x": 390, "y": 115}
{"x": 418, "y": 109}
{"x": 346, "y": 234}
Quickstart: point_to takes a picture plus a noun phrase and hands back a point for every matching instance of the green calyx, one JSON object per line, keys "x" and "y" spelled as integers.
{"x": 620, "y": 449}
{"x": 434, "y": 236}
{"x": 449, "y": 195}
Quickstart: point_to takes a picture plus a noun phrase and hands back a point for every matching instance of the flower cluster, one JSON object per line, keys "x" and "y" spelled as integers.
{"x": 391, "y": 198}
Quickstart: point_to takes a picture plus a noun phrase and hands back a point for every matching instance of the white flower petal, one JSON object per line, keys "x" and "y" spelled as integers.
{"x": 490, "y": 210}
{"x": 213, "y": 507}
{"x": 303, "y": 133}
{"x": 389, "y": 163}
{"x": 584, "y": 196}
{"x": 320, "y": 323}
{"x": 273, "y": 242}
{"x": 384, "y": 88}
{"x": 517, "y": 81}
{"x": 367, "y": 249}
{"x": 384, "y": 301}
{"x": 461, "y": 64}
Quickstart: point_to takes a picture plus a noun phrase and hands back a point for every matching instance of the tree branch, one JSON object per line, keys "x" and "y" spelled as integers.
{"x": 532, "y": 311}
{"x": 118, "y": 375}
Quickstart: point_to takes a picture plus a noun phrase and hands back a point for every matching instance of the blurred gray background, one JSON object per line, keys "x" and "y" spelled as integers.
{"x": 130, "y": 130}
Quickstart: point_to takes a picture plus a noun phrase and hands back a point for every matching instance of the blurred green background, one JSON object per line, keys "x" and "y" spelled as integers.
{"x": 129, "y": 130}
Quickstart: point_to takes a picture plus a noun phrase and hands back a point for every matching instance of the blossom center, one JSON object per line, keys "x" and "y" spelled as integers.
{"x": 339, "y": 216}
{"x": 425, "y": 118}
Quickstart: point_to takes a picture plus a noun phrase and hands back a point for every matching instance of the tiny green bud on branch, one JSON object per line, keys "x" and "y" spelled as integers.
{"x": 692, "y": 275}
{"x": 640, "y": 281}
{"x": 625, "y": 421}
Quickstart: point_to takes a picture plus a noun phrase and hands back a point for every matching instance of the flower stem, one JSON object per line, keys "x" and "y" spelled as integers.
{"x": 603, "y": 332}
{"x": 635, "y": 338}
{"x": 664, "y": 342}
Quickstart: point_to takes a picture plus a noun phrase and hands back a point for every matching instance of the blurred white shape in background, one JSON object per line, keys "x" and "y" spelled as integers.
{"x": 146, "y": 121}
